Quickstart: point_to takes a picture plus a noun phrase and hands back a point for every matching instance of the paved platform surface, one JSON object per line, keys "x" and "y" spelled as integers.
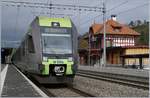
{"x": 16, "y": 85}
{"x": 2, "y": 66}
{"x": 115, "y": 70}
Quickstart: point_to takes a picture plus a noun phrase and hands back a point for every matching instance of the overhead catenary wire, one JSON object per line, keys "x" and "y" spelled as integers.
{"x": 57, "y": 8}
{"x": 50, "y": 4}
{"x": 121, "y": 12}
{"x": 132, "y": 8}
{"x": 8, "y": 2}
{"x": 86, "y": 13}
{"x": 107, "y": 11}
{"x": 33, "y": 13}
{"x": 64, "y": 14}
{"x": 79, "y": 17}
{"x": 54, "y": 6}
{"x": 45, "y": 4}
{"x": 74, "y": 5}
{"x": 47, "y": 13}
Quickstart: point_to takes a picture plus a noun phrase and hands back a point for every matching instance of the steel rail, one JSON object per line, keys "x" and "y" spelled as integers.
{"x": 45, "y": 88}
{"x": 112, "y": 78}
{"x": 70, "y": 87}
{"x": 82, "y": 93}
{"x": 140, "y": 79}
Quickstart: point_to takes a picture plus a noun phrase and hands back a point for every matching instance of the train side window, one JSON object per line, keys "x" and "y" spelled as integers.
{"x": 30, "y": 45}
{"x": 23, "y": 48}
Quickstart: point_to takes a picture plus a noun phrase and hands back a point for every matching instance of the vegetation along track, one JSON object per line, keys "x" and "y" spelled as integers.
{"x": 136, "y": 81}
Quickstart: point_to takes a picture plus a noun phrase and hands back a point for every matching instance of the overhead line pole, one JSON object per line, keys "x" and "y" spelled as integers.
{"x": 104, "y": 34}
{"x": 89, "y": 48}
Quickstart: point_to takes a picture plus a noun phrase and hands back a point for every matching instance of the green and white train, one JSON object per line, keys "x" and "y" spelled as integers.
{"x": 49, "y": 50}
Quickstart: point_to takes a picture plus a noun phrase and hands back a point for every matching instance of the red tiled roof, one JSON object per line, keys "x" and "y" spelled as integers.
{"x": 113, "y": 27}
{"x": 97, "y": 27}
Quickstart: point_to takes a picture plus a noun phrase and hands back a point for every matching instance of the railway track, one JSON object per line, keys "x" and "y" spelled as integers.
{"x": 66, "y": 91}
{"x": 135, "y": 81}
{"x": 83, "y": 93}
{"x": 68, "y": 88}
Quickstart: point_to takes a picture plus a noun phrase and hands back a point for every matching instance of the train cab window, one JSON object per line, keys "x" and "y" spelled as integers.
{"x": 30, "y": 45}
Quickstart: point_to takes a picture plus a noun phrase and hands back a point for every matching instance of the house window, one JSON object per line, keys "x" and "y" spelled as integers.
{"x": 108, "y": 43}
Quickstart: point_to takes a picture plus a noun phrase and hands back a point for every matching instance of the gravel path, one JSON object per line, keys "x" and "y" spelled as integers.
{"x": 107, "y": 89}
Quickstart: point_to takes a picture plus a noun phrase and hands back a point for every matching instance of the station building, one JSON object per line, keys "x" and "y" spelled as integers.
{"x": 121, "y": 47}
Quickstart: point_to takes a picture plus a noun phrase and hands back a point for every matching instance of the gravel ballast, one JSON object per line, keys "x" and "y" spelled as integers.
{"x": 64, "y": 92}
{"x": 107, "y": 89}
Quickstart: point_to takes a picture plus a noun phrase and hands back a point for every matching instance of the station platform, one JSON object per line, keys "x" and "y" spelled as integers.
{"x": 15, "y": 84}
{"x": 117, "y": 70}
{"x": 2, "y": 66}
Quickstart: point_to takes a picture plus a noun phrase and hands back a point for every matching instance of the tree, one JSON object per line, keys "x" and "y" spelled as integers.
{"x": 144, "y": 38}
{"x": 143, "y": 29}
{"x": 131, "y": 24}
{"x": 138, "y": 22}
{"x": 145, "y": 22}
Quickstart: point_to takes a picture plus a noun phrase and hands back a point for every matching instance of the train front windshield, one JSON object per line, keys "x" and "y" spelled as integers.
{"x": 56, "y": 41}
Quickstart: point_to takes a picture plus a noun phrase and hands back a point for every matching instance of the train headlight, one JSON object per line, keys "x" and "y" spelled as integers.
{"x": 70, "y": 59}
{"x": 45, "y": 58}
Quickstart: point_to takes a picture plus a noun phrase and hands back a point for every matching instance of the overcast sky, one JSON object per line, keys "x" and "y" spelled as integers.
{"x": 15, "y": 21}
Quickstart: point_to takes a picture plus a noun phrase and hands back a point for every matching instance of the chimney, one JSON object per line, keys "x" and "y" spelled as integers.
{"x": 113, "y": 17}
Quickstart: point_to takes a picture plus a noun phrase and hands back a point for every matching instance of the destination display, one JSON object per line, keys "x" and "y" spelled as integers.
{"x": 55, "y": 30}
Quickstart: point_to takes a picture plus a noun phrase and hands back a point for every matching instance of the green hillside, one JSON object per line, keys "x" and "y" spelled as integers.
{"x": 143, "y": 29}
